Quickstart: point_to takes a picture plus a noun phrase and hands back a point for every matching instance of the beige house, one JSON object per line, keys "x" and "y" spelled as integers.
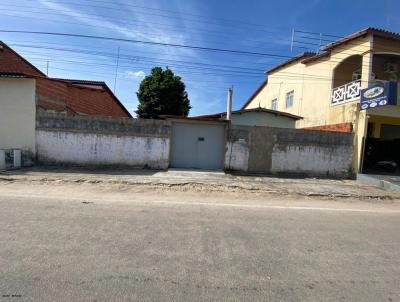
{"x": 324, "y": 88}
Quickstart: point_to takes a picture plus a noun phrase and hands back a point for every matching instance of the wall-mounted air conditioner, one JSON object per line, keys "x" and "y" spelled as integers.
{"x": 389, "y": 67}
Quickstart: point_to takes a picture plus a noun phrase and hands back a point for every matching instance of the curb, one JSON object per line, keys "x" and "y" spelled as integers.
{"x": 373, "y": 181}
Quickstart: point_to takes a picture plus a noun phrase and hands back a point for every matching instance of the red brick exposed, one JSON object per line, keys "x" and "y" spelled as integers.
{"x": 10, "y": 61}
{"x": 343, "y": 127}
{"x": 54, "y": 94}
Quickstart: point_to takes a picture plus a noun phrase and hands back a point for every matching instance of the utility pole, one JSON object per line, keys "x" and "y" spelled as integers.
{"x": 229, "y": 104}
{"x": 47, "y": 68}
{"x": 116, "y": 71}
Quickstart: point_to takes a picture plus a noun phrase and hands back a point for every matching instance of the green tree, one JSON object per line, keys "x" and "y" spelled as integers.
{"x": 162, "y": 93}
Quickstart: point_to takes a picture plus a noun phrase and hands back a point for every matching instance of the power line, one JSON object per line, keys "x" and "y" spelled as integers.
{"x": 95, "y": 17}
{"x": 227, "y": 70}
{"x": 130, "y": 57}
{"x": 333, "y": 41}
{"x": 233, "y": 51}
{"x": 282, "y": 75}
{"x": 179, "y": 63}
{"x": 30, "y": 43}
{"x": 259, "y": 27}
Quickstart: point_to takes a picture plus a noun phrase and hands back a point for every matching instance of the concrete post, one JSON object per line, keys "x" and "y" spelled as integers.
{"x": 229, "y": 105}
{"x": 362, "y": 123}
{"x": 17, "y": 158}
{"x": 2, "y": 160}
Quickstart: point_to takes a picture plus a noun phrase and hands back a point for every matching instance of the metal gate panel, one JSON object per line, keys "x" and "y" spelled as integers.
{"x": 197, "y": 146}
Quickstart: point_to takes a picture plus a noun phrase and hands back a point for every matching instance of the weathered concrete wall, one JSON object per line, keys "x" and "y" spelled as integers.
{"x": 17, "y": 117}
{"x": 102, "y": 141}
{"x": 289, "y": 152}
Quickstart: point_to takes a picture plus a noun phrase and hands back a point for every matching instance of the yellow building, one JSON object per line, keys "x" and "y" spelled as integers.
{"x": 324, "y": 88}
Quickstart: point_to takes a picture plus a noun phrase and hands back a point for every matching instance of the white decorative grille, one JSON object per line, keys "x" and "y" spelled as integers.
{"x": 346, "y": 93}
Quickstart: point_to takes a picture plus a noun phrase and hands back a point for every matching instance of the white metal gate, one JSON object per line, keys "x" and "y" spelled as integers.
{"x": 197, "y": 145}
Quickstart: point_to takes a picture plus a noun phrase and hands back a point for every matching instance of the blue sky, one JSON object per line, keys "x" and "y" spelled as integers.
{"x": 254, "y": 26}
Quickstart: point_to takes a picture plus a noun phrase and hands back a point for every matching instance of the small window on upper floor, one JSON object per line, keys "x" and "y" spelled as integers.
{"x": 289, "y": 98}
{"x": 274, "y": 104}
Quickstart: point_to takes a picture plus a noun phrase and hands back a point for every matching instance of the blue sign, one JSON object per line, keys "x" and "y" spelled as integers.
{"x": 380, "y": 93}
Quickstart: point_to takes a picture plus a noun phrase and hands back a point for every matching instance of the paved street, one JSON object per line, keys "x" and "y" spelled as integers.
{"x": 110, "y": 242}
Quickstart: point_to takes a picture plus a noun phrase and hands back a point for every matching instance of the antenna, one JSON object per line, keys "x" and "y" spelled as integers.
{"x": 116, "y": 71}
{"x": 320, "y": 43}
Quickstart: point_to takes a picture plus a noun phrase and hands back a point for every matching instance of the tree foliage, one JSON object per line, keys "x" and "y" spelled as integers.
{"x": 162, "y": 93}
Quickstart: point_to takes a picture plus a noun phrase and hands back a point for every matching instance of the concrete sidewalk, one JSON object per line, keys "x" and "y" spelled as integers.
{"x": 184, "y": 180}
{"x": 391, "y": 182}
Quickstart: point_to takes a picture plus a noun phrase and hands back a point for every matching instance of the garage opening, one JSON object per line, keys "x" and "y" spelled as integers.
{"x": 197, "y": 145}
{"x": 382, "y": 149}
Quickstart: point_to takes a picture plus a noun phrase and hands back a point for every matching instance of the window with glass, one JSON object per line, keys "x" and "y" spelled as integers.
{"x": 289, "y": 98}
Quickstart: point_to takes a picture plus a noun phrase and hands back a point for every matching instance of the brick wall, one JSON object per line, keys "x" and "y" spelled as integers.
{"x": 343, "y": 127}
{"x": 51, "y": 95}
{"x": 62, "y": 96}
{"x": 94, "y": 102}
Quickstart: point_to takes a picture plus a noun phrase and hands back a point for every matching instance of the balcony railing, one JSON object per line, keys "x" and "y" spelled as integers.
{"x": 346, "y": 93}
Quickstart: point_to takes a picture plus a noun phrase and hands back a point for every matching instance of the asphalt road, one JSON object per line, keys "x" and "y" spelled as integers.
{"x": 61, "y": 245}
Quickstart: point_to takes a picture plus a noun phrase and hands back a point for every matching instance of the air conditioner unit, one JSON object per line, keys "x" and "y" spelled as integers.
{"x": 389, "y": 67}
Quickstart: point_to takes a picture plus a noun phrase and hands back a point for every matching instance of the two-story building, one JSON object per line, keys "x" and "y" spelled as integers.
{"x": 324, "y": 88}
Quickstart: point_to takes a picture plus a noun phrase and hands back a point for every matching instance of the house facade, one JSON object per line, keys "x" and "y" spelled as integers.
{"x": 68, "y": 96}
{"x": 260, "y": 117}
{"x": 324, "y": 88}
{"x": 25, "y": 91}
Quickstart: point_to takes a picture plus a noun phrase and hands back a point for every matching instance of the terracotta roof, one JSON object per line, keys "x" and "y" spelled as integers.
{"x": 83, "y": 84}
{"x": 316, "y": 57}
{"x": 369, "y": 30}
{"x": 263, "y": 84}
{"x": 292, "y": 60}
{"x": 262, "y": 110}
{"x": 4, "y": 45}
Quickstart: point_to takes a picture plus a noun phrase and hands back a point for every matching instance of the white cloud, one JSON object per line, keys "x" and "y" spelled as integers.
{"x": 135, "y": 74}
{"x": 146, "y": 32}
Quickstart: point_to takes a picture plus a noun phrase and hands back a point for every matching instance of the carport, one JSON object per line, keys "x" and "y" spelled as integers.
{"x": 382, "y": 149}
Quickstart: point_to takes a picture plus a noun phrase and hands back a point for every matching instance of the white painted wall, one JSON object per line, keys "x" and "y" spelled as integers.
{"x": 2, "y": 160}
{"x": 17, "y": 114}
{"x": 102, "y": 149}
{"x": 311, "y": 159}
{"x": 237, "y": 156}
